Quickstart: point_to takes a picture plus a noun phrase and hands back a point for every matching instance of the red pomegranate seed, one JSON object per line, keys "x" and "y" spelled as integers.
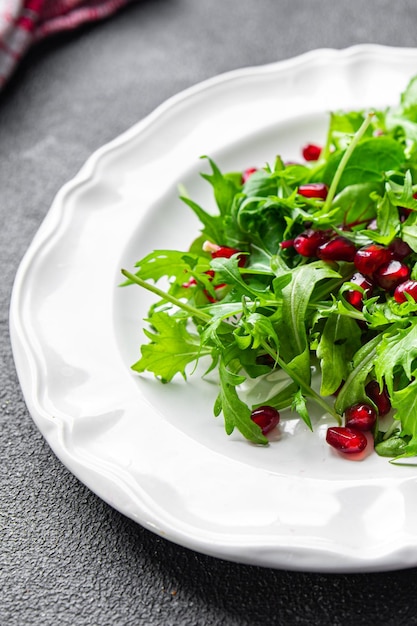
{"x": 225, "y": 252}
{"x": 347, "y": 440}
{"x": 354, "y": 297}
{"x": 266, "y": 417}
{"x": 311, "y": 152}
{"x": 313, "y": 190}
{"x": 408, "y": 286}
{"x": 369, "y": 258}
{"x": 306, "y": 243}
{"x": 287, "y": 243}
{"x": 246, "y": 174}
{"x": 361, "y": 416}
{"x": 400, "y": 249}
{"x": 391, "y": 274}
{"x": 337, "y": 249}
{"x": 380, "y": 398}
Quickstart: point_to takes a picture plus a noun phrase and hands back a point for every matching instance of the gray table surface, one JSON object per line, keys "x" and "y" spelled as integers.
{"x": 67, "y": 557}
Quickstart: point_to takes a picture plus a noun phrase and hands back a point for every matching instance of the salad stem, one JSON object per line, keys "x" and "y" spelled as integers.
{"x": 344, "y": 160}
{"x": 308, "y": 390}
{"x": 204, "y": 317}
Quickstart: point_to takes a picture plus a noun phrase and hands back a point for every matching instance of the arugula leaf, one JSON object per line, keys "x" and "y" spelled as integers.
{"x": 300, "y": 406}
{"x": 340, "y": 339}
{"x": 171, "y": 349}
{"x": 235, "y": 412}
{"x": 353, "y": 390}
{"x": 170, "y": 263}
{"x": 225, "y": 187}
{"x": 409, "y": 231}
{"x": 292, "y": 324}
{"x": 396, "y": 351}
{"x": 212, "y": 224}
{"x": 405, "y": 403}
{"x": 288, "y": 307}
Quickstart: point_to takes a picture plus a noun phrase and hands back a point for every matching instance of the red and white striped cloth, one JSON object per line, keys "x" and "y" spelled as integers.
{"x": 24, "y": 22}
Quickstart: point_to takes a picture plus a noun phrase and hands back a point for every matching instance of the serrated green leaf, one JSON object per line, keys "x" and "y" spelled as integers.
{"x": 171, "y": 349}
{"x": 397, "y": 350}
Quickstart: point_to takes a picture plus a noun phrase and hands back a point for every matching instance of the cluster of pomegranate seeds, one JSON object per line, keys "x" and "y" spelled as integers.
{"x": 359, "y": 419}
{"x": 266, "y": 417}
{"x": 349, "y": 439}
{"x": 307, "y": 243}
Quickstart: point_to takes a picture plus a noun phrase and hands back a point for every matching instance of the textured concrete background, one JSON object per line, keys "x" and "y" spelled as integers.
{"x": 66, "y": 557}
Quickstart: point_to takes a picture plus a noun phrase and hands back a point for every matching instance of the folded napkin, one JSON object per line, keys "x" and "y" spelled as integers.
{"x": 24, "y": 22}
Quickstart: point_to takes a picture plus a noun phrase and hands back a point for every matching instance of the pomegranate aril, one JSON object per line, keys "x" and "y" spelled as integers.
{"x": 400, "y": 249}
{"x": 347, "y": 440}
{"x": 287, "y": 243}
{"x": 266, "y": 417}
{"x": 369, "y": 258}
{"x": 337, "y": 249}
{"x": 306, "y": 243}
{"x": 380, "y": 398}
{"x": 361, "y": 416}
{"x": 408, "y": 286}
{"x": 225, "y": 252}
{"x": 391, "y": 274}
{"x": 354, "y": 297}
{"x": 246, "y": 174}
{"x": 313, "y": 190}
{"x": 311, "y": 152}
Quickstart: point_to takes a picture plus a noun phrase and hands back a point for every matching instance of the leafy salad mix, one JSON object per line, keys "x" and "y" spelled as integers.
{"x": 303, "y": 264}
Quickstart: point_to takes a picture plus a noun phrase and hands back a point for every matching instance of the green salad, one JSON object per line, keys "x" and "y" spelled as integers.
{"x": 303, "y": 265}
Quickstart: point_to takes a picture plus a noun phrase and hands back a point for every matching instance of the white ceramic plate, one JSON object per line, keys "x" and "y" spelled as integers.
{"x": 155, "y": 452}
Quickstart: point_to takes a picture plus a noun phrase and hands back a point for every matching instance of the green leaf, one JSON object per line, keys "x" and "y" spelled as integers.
{"x": 370, "y": 160}
{"x": 169, "y": 263}
{"x": 404, "y": 402}
{"x": 235, "y": 412}
{"x": 388, "y": 221}
{"x": 299, "y": 405}
{"x": 292, "y": 324}
{"x": 225, "y": 188}
{"x": 355, "y": 203}
{"x": 391, "y": 447}
{"x": 212, "y": 224}
{"x": 227, "y": 271}
{"x": 340, "y": 339}
{"x": 171, "y": 349}
{"x": 409, "y": 231}
{"x": 397, "y": 350}
{"x": 353, "y": 389}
